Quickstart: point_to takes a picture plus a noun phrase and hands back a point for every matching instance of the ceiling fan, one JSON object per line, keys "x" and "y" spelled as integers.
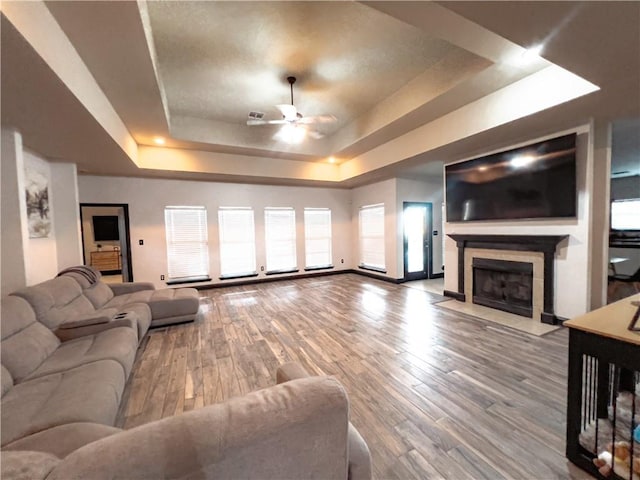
{"x": 295, "y": 125}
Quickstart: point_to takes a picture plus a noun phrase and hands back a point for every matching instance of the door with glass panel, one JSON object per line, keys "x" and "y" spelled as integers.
{"x": 416, "y": 220}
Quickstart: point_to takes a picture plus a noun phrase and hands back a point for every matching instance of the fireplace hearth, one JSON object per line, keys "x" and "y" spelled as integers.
{"x": 504, "y": 285}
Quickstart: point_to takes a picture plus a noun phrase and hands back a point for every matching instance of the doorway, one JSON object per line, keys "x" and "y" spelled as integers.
{"x": 417, "y": 222}
{"x": 106, "y": 243}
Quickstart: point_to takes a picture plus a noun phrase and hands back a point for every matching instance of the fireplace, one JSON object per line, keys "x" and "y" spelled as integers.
{"x": 499, "y": 287}
{"x": 503, "y": 284}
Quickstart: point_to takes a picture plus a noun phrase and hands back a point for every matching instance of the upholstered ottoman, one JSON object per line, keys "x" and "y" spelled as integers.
{"x": 173, "y": 305}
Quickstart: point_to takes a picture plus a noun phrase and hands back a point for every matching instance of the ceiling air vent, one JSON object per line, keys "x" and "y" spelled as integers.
{"x": 256, "y": 115}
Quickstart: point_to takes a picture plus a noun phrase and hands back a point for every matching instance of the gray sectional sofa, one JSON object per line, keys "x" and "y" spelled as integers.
{"x": 67, "y": 348}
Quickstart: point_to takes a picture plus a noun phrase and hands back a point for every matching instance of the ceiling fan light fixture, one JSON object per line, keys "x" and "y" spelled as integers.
{"x": 292, "y": 134}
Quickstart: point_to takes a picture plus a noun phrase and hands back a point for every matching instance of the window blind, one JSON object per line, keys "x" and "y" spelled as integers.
{"x": 280, "y": 235}
{"x": 187, "y": 242}
{"x": 372, "y": 236}
{"x": 237, "y": 242}
{"x": 317, "y": 237}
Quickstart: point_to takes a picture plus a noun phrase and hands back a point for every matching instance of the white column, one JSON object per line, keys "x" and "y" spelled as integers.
{"x": 64, "y": 184}
{"x": 600, "y": 206}
{"x": 14, "y": 233}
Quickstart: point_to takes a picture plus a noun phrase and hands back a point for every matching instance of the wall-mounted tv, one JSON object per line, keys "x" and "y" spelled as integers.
{"x": 536, "y": 181}
{"x": 105, "y": 227}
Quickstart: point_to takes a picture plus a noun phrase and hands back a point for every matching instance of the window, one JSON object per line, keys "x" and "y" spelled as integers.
{"x": 317, "y": 237}
{"x": 237, "y": 242}
{"x": 280, "y": 234}
{"x": 372, "y": 237}
{"x": 187, "y": 243}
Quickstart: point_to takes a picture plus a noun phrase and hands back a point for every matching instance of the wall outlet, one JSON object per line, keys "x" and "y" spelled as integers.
{"x": 262, "y": 268}
{"x": 342, "y": 260}
{"x": 140, "y": 242}
{"x": 161, "y": 277}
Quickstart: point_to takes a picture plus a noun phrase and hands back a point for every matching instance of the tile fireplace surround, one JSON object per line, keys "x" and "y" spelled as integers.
{"x": 539, "y": 250}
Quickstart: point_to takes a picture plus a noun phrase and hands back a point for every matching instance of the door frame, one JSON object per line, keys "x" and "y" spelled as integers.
{"x": 428, "y": 239}
{"x": 127, "y": 237}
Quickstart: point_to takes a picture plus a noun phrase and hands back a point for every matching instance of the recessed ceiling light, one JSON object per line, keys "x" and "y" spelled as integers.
{"x": 332, "y": 159}
{"x": 159, "y": 140}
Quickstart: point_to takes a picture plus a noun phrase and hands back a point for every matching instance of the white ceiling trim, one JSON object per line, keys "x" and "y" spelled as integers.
{"x": 36, "y": 24}
{"x": 545, "y": 89}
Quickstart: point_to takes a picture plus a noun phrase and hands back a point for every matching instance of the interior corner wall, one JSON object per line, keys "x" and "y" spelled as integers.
{"x": 382, "y": 192}
{"x": 14, "y": 233}
{"x": 64, "y": 189}
{"x": 428, "y": 191}
{"x": 147, "y": 199}
{"x": 572, "y": 273}
{"x": 41, "y": 253}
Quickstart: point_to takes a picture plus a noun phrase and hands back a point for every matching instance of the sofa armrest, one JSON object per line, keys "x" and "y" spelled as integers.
{"x": 359, "y": 454}
{"x": 65, "y": 334}
{"x": 84, "y": 321}
{"x": 130, "y": 287}
{"x": 296, "y": 430}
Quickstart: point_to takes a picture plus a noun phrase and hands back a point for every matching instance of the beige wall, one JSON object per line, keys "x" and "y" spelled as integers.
{"x": 147, "y": 199}
{"x": 41, "y": 253}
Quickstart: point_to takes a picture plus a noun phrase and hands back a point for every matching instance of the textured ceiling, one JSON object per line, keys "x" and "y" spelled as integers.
{"x": 219, "y": 60}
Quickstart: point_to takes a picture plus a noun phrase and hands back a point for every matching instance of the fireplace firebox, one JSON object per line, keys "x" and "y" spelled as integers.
{"x": 503, "y": 284}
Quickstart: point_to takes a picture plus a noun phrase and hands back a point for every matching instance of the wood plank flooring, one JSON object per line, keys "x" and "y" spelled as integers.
{"x": 435, "y": 393}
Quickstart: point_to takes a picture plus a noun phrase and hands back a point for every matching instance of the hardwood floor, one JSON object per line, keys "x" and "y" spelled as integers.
{"x": 435, "y": 393}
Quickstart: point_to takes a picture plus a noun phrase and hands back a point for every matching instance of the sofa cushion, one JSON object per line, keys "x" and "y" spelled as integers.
{"x": 174, "y": 302}
{"x": 98, "y": 294}
{"x": 26, "y": 343}
{"x": 119, "y": 344}
{"x": 56, "y": 300}
{"x": 119, "y": 301}
{"x": 64, "y": 439}
{"x": 26, "y": 465}
{"x": 90, "y": 393}
{"x": 7, "y": 380}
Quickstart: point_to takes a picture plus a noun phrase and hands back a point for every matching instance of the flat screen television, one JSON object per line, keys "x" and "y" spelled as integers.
{"x": 105, "y": 227}
{"x": 625, "y": 215}
{"x": 536, "y": 181}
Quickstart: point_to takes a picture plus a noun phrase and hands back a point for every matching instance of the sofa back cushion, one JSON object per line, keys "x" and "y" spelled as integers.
{"x": 56, "y": 300}
{"x": 7, "y": 380}
{"x": 98, "y": 294}
{"x": 96, "y": 291}
{"x": 25, "y": 343}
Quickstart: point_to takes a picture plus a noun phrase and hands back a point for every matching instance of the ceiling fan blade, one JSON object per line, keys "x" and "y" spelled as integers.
{"x": 318, "y": 119}
{"x": 266, "y": 122}
{"x": 289, "y": 112}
